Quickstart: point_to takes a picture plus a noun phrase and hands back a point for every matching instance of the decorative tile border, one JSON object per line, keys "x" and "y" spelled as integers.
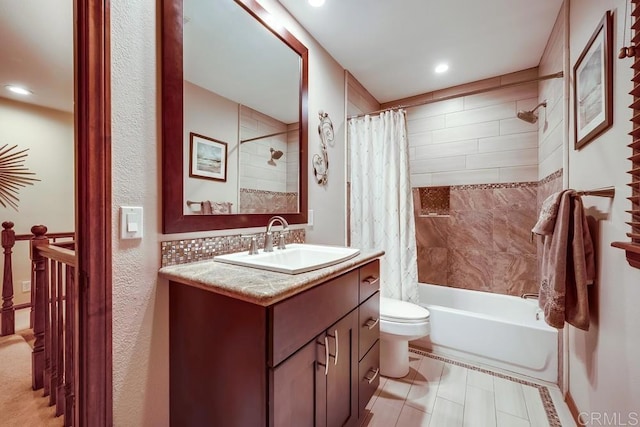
{"x": 199, "y": 249}
{"x": 557, "y": 174}
{"x": 495, "y": 186}
{"x": 545, "y": 396}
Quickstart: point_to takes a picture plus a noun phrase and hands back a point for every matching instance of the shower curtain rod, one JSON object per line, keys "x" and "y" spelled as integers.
{"x": 557, "y": 75}
{"x": 267, "y": 136}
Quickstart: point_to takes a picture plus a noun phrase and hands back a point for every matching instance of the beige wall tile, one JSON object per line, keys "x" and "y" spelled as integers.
{"x": 446, "y": 149}
{"x": 517, "y": 141}
{"x": 438, "y": 165}
{"x": 551, "y": 142}
{"x": 551, "y": 164}
{"x": 503, "y": 159}
{"x": 424, "y": 124}
{"x": 421, "y": 179}
{"x": 480, "y": 130}
{"x": 418, "y": 139}
{"x": 478, "y": 176}
{"x": 515, "y": 125}
{"x": 480, "y": 115}
{"x": 518, "y": 174}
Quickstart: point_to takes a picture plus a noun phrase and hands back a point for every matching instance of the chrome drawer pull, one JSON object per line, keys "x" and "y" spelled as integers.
{"x": 371, "y": 323}
{"x": 371, "y": 280}
{"x": 370, "y": 377}
{"x": 335, "y": 337}
{"x": 336, "y": 360}
{"x": 326, "y": 355}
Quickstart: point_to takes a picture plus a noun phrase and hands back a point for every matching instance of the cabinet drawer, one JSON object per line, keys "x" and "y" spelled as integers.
{"x": 297, "y": 320}
{"x": 369, "y": 318}
{"x": 368, "y": 377}
{"x": 369, "y": 279}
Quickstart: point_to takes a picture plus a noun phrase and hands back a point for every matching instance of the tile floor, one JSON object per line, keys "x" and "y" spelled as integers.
{"x": 441, "y": 394}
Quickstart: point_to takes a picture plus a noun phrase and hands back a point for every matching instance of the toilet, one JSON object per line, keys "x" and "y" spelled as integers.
{"x": 400, "y": 322}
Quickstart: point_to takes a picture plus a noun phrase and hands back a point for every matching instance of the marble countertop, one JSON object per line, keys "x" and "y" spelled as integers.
{"x": 254, "y": 285}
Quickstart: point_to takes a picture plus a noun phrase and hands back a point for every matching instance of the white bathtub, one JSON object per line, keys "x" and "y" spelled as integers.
{"x": 490, "y": 329}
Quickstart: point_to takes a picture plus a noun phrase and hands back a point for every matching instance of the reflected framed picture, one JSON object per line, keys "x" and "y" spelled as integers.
{"x": 207, "y": 158}
{"x": 593, "y": 85}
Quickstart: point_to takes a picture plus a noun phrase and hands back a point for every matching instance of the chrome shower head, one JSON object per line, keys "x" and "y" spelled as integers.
{"x": 275, "y": 155}
{"x": 529, "y": 116}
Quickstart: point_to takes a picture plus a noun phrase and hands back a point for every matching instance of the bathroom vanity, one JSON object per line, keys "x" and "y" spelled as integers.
{"x": 260, "y": 348}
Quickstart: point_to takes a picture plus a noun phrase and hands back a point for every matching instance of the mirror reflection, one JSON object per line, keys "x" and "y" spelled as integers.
{"x": 241, "y": 114}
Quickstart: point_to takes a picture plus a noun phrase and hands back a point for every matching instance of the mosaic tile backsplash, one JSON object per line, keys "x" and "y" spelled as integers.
{"x": 485, "y": 242}
{"x": 190, "y": 250}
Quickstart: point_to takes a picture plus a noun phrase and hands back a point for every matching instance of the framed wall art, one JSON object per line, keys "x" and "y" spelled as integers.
{"x": 207, "y": 158}
{"x": 593, "y": 85}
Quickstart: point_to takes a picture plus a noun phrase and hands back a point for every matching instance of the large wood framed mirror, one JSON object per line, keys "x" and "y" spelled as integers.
{"x": 234, "y": 117}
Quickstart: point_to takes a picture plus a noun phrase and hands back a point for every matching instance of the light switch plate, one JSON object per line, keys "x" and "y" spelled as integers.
{"x": 130, "y": 222}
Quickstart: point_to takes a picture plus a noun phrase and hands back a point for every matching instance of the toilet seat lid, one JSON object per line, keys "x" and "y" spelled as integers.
{"x": 395, "y": 310}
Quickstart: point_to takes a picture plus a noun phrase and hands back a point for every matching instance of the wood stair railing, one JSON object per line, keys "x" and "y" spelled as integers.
{"x": 53, "y": 296}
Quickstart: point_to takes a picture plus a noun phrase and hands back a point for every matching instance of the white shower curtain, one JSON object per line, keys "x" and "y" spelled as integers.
{"x": 381, "y": 200}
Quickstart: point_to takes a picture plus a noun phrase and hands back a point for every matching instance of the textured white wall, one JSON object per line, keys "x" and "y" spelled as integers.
{"x": 604, "y": 373}
{"x": 552, "y": 125}
{"x": 48, "y": 136}
{"x": 140, "y": 300}
{"x": 213, "y": 116}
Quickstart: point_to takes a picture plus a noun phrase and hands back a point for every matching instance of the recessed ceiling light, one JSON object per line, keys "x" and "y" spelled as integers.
{"x": 441, "y": 68}
{"x": 19, "y": 90}
{"x": 316, "y": 3}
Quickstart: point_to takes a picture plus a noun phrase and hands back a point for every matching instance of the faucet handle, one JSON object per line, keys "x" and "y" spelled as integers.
{"x": 253, "y": 244}
{"x": 281, "y": 239}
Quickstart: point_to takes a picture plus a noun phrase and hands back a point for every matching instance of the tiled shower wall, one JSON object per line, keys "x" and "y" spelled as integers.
{"x": 267, "y": 187}
{"x": 482, "y": 240}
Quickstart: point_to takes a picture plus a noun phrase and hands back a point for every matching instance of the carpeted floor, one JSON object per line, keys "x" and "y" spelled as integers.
{"x": 20, "y": 406}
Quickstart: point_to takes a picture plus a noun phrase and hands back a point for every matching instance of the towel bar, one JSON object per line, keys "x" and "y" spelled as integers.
{"x": 599, "y": 192}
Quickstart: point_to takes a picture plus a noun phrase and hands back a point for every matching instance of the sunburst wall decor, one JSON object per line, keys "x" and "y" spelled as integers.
{"x": 13, "y": 175}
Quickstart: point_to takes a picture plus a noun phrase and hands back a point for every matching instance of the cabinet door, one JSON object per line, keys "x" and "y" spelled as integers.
{"x": 342, "y": 378}
{"x": 298, "y": 388}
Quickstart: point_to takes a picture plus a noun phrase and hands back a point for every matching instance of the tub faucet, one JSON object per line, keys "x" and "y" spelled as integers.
{"x": 527, "y": 296}
{"x": 268, "y": 239}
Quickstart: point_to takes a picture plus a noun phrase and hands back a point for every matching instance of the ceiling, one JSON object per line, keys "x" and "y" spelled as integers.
{"x": 392, "y": 47}
{"x": 391, "y": 50}
{"x": 37, "y": 51}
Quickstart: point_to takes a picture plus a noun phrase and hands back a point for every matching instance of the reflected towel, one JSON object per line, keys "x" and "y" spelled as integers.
{"x": 568, "y": 263}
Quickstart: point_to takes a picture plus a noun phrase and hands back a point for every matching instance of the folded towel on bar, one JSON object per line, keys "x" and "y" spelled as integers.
{"x": 568, "y": 262}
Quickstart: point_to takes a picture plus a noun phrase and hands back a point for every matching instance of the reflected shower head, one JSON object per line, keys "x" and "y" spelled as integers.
{"x": 529, "y": 116}
{"x": 275, "y": 155}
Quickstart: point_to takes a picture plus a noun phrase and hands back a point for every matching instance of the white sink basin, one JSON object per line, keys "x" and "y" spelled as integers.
{"x": 295, "y": 259}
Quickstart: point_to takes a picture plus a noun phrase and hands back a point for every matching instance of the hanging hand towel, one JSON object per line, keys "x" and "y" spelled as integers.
{"x": 567, "y": 260}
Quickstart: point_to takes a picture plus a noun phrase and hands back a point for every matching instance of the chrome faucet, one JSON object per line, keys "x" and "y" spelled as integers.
{"x": 527, "y": 296}
{"x": 268, "y": 239}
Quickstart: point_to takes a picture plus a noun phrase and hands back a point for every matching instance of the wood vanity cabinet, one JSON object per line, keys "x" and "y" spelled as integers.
{"x": 309, "y": 360}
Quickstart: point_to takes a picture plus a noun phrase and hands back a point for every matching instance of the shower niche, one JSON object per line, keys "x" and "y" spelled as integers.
{"x": 432, "y": 201}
